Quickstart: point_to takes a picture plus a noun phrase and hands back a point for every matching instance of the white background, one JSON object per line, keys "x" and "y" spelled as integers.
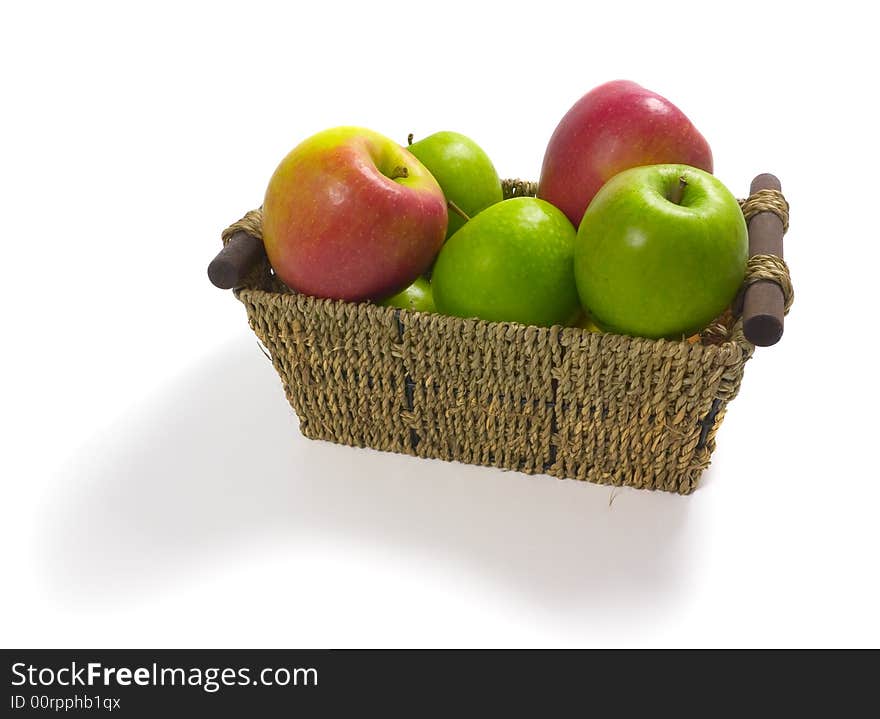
{"x": 156, "y": 490}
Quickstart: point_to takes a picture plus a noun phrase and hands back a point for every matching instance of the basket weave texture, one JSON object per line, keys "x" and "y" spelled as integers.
{"x": 563, "y": 401}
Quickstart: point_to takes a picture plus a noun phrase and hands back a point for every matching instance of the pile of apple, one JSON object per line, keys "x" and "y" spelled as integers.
{"x": 630, "y": 231}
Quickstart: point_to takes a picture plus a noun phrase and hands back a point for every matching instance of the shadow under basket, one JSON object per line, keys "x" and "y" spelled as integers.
{"x": 561, "y": 401}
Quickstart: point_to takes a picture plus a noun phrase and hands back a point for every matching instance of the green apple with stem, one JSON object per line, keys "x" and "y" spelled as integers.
{"x": 513, "y": 262}
{"x": 661, "y": 251}
{"x": 464, "y": 172}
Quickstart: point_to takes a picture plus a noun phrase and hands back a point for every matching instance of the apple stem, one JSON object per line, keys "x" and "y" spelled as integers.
{"x": 678, "y": 191}
{"x": 457, "y": 210}
{"x": 398, "y": 172}
{"x": 409, "y": 139}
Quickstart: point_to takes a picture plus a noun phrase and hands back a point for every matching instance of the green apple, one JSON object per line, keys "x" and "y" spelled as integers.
{"x": 512, "y": 262}
{"x": 465, "y": 173}
{"x": 418, "y": 296}
{"x": 661, "y": 251}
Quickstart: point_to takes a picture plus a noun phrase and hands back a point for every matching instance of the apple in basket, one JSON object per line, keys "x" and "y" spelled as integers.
{"x": 661, "y": 251}
{"x": 419, "y": 297}
{"x": 513, "y": 262}
{"x": 464, "y": 171}
{"x": 349, "y": 214}
{"x": 613, "y": 127}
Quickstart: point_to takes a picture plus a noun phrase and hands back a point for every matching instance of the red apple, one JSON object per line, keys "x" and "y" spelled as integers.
{"x": 352, "y": 215}
{"x": 612, "y": 128}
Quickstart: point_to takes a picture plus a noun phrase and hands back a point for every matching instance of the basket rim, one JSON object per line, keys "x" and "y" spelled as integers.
{"x": 736, "y": 344}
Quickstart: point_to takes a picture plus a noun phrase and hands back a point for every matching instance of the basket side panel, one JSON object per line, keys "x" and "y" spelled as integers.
{"x": 634, "y": 412}
{"x": 482, "y": 392}
{"x": 731, "y": 358}
{"x": 603, "y": 408}
{"x": 339, "y": 364}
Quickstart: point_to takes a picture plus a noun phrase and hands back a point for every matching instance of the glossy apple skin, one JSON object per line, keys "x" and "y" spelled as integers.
{"x": 418, "y": 297}
{"x": 464, "y": 171}
{"x": 335, "y": 223}
{"x": 612, "y": 128}
{"x": 513, "y": 262}
{"x": 646, "y": 266}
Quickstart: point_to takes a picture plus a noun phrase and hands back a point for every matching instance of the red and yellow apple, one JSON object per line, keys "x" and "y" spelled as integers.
{"x": 612, "y": 128}
{"x": 349, "y": 214}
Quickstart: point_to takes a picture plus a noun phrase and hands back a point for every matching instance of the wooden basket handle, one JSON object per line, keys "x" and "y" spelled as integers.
{"x": 242, "y": 252}
{"x": 767, "y": 295}
{"x": 235, "y": 261}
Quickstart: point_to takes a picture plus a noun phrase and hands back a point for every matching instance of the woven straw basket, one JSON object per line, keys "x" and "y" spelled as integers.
{"x": 561, "y": 401}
